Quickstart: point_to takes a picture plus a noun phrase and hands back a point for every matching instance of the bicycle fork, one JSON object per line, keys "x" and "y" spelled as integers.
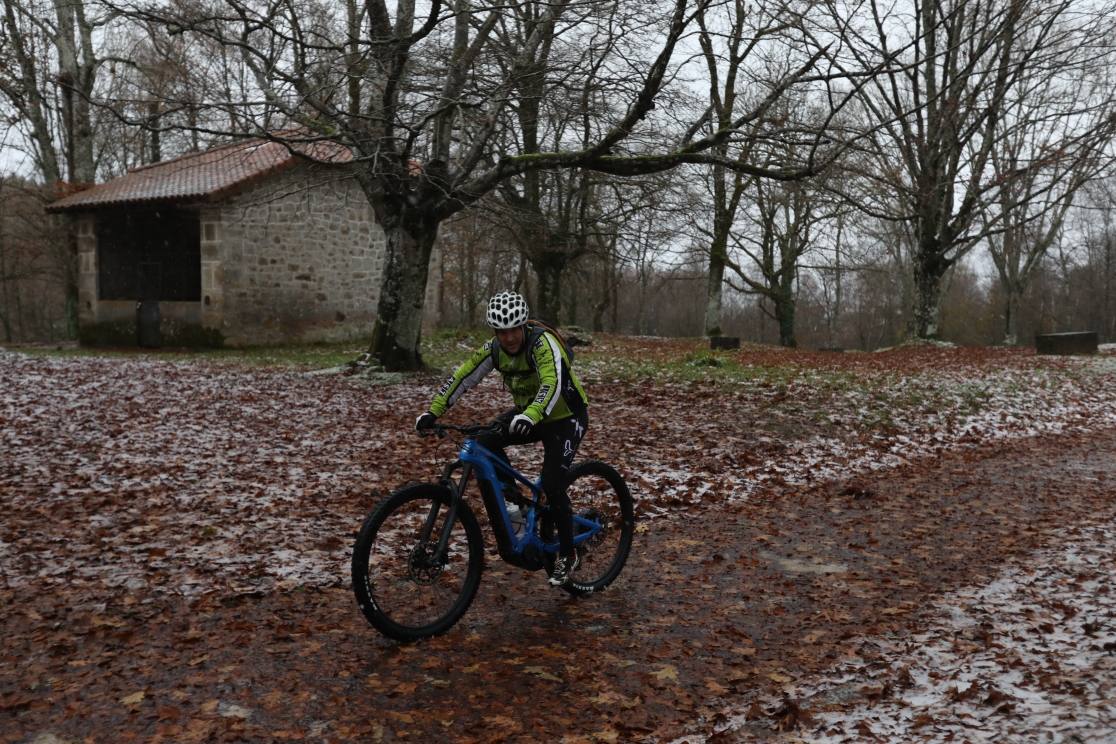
{"x": 438, "y": 555}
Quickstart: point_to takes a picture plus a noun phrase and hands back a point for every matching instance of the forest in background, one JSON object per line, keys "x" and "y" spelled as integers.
{"x": 826, "y": 175}
{"x": 658, "y": 289}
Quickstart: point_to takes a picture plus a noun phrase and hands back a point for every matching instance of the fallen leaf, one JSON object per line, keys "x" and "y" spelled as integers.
{"x": 540, "y": 672}
{"x": 790, "y": 716}
{"x": 715, "y": 688}
{"x": 134, "y": 699}
{"x": 103, "y": 621}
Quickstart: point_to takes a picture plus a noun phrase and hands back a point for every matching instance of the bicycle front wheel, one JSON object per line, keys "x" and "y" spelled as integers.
{"x": 405, "y": 589}
{"x": 598, "y": 493}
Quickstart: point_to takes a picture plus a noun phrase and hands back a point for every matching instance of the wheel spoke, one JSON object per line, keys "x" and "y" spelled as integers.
{"x": 405, "y": 589}
{"x": 597, "y": 493}
{"x": 409, "y": 586}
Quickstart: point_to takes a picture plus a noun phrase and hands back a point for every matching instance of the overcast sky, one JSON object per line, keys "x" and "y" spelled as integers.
{"x": 12, "y": 157}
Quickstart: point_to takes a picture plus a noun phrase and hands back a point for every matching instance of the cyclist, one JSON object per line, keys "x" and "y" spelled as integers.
{"x": 550, "y": 406}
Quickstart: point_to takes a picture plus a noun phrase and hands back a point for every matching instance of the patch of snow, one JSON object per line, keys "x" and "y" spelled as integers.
{"x": 199, "y": 458}
{"x": 185, "y": 478}
{"x": 800, "y": 566}
{"x": 1032, "y": 651}
{"x": 229, "y": 710}
{"x": 49, "y": 738}
{"x": 1103, "y": 363}
{"x": 920, "y": 342}
{"x": 328, "y": 371}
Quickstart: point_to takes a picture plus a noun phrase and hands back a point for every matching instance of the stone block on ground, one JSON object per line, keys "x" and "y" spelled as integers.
{"x": 1073, "y": 342}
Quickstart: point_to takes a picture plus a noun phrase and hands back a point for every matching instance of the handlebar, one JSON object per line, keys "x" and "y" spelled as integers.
{"x": 470, "y": 430}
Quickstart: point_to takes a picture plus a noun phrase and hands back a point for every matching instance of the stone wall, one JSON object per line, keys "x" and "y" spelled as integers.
{"x": 296, "y": 258}
{"x": 113, "y": 322}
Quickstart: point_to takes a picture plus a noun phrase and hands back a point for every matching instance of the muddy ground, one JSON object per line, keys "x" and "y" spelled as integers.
{"x": 715, "y": 607}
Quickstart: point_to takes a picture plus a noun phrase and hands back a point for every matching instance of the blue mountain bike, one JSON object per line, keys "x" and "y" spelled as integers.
{"x": 418, "y": 557}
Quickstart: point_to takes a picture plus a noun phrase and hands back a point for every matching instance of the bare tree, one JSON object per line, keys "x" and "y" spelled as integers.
{"x": 1097, "y": 228}
{"x": 1052, "y": 140}
{"x": 546, "y": 211}
{"x": 752, "y": 47}
{"x": 833, "y": 278}
{"x": 761, "y": 227}
{"x": 578, "y": 216}
{"x": 935, "y": 118}
{"x": 49, "y": 79}
{"x": 785, "y": 218}
{"x": 33, "y": 257}
{"x": 425, "y": 105}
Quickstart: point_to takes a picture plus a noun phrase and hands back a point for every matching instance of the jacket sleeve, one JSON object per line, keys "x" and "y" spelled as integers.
{"x": 548, "y": 363}
{"x": 464, "y": 378}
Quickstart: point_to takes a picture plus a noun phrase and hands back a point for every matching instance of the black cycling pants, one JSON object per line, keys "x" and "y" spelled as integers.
{"x": 560, "y": 441}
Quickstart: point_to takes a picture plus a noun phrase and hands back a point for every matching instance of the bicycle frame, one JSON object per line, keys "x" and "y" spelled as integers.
{"x": 475, "y": 458}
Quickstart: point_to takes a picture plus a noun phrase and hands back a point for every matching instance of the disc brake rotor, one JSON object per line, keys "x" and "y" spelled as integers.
{"x": 424, "y": 569}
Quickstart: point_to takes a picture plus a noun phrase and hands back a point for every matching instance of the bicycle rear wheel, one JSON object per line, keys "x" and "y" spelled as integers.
{"x": 598, "y": 493}
{"x": 404, "y": 590}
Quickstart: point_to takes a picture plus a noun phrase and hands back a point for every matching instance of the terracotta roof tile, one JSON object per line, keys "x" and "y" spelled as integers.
{"x": 199, "y": 176}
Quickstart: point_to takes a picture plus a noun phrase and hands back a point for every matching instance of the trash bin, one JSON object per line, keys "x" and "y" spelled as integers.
{"x": 148, "y": 319}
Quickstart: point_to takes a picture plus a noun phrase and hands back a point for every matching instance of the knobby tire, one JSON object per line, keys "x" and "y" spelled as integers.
{"x": 597, "y": 487}
{"x": 384, "y": 556}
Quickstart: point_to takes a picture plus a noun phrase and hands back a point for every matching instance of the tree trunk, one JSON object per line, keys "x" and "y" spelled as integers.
{"x": 569, "y": 303}
{"x": 549, "y": 268}
{"x": 723, "y": 210}
{"x": 615, "y": 307}
{"x": 153, "y": 114}
{"x": 521, "y": 276}
{"x": 470, "y": 288}
{"x": 398, "y": 329}
{"x": 1109, "y": 311}
{"x": 85, "y": 171}
{"x": 77, "y": 72}
{"x": 5, "y": 310}
{"x": 784, "y": 315}
{"x": 599, "y": 310}
{"x": 1014, "y": 296}
{"x": 928, "y": 273}
{"x": 835, "y": 316}
{"x": 641, "y": 306}
{"x": 443, "y": 311}
{"x": 714, "y": 286}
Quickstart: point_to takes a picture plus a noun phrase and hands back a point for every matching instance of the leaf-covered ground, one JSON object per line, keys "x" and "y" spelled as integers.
{"x": 1029, "y": 655}
{"x": 175, "y": 535}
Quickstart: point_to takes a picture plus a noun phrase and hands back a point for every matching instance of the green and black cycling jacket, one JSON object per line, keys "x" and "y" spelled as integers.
{"x": 540, "y": 378}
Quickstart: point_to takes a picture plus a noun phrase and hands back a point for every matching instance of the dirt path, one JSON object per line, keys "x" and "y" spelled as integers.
{"x": 1028, "y": 656}
{"x": 715, "y": 608}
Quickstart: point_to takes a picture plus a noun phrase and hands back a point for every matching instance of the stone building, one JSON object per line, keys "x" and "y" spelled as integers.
{"x": 242, "y": 244}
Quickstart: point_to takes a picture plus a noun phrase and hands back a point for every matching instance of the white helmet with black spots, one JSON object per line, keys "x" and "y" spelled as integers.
{"x": 507, "y": 310}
